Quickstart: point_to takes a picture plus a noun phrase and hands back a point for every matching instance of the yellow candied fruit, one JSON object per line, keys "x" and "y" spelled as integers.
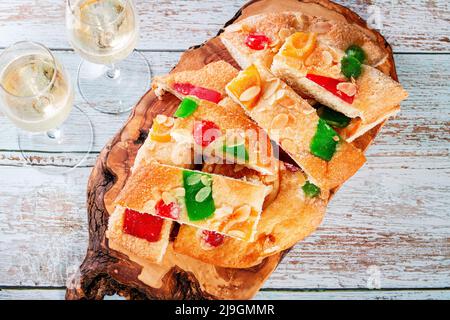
{"x": 160, "y": 132}
{"x": 247, "y": 79}
{"x": 300, "y": 45}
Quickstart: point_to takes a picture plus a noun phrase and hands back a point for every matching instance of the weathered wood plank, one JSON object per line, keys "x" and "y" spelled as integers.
{"x": 410, "y": 26}
{"x": 105, "y": 125}
{"x": 381, "y": 229}
{"x": 421, "y": 129}
{"x": 58, "y": 294}
{"x": 355, "y": 295}
{"x": 391, "y": 219}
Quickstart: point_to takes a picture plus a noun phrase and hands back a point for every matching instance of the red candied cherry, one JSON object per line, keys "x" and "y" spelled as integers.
{"x": 257, "y": 41}
{"x": 199, "y": 92}
{"x": 212, "y": 238}
{"x": 205, "y": 132}
{"x": 171, "y": 210}
{"x": 142, "y": 225}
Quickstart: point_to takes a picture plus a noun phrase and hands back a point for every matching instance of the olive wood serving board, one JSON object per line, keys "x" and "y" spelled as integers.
{"x": 106, "y": 271}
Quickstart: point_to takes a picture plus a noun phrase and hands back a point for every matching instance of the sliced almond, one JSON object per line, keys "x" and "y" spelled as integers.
{"x": 280, "y": 94}
{"x": 169, "y": 122}
{"x": 280, "y": 121}
{"x": 236, "y": 234}
{"x": 348, "y": 88}
{"x": 179, "y": 192}
{"x": 203, "y": 194}
{"x": 287, "y": 102}
{"x": 167, "y": 197}
{"x": 223, "y": 212}
{"x": 250, "y": 93}
{"x": 327, "y": 58}
{"x": 206, "y": 180}
{"x": 321, "y": 27}
{"x": 270, "y": 88}
{"x": 149, "y": 206}
{"x": 193, "y": 179}
{"x": 271, "y": 250}
{"x": 161, "y": 119}
{"x": 242, "y": 213}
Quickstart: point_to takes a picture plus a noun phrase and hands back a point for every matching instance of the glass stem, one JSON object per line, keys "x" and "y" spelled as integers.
{"x": 113, "y": 71}
{"x": 55, "y": 134}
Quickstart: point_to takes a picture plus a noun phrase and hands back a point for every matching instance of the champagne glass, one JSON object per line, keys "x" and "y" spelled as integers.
{"x": 37, "y": 96}
{"x": 104, "y": 33}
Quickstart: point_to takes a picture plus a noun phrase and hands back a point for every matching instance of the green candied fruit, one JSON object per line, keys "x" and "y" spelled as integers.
{"x": 356, "y": 52}
{"x": 198, "y": 196}
{"x": 186, "y": 108}
{"x": 237, "y": 151}
{"x": 324, "y": 142}
{"x": 351, "y": 67}
{"x": 310, "y": 189}
{"x": 333, "y": 118}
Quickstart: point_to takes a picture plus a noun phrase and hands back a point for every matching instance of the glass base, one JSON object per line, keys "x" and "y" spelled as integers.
{"x": 60, "y": 150}
{"x": 115, "y": 90}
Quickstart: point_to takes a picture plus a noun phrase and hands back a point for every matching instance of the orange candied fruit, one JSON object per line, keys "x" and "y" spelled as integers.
{"x": 247, "y": 87}
{"x": 300, "y": 45}
{"x": 160, "y": 132}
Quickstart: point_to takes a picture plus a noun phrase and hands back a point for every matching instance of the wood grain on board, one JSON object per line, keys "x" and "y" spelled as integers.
{"x": 399, "y": 230}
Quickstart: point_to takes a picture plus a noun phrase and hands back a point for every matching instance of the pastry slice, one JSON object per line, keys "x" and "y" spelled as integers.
{"x": 211, "y": 202}
{"x": 295, "y": 212}
{"x": 141, "y": 234}
{"x": 259, "y": 37}
{"x": 223, "y": 136}
{"x": 164, "y": 146}
{"x": 207, "y": 83}
{"x": 291, "y": 122}
{"x": 339, "y": 80}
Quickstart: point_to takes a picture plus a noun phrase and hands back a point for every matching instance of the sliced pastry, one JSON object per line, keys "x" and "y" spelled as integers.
{"x": 163, "y": 146}
{"x": 208, "y": 201}
{"x": 139, "y": 233}
{"x": 340, "y": 80}
{"x": 259, "y": 37}
{"x": 207, "y": 83}
{"x": 291, "y": 122}
{"x": 218, "y": 135}
{"x": 294, "y": 213}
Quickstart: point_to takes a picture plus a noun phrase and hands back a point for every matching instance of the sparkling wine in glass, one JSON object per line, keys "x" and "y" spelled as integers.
{"x": 104, "y": 33}
{"x": 37, "y": 96}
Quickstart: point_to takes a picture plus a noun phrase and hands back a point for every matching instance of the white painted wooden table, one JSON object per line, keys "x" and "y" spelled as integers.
{"x": 387, "y": 232}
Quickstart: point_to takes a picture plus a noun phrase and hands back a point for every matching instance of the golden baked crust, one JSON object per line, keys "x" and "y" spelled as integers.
{"x": 291, "y": 122}
{"x": 278, "y": 26}
{"x": 152, "y": 252}
{"x": 213, "y": 76}
{"x": 238, "y": 203}
{"x": 376, "y": 95}
{"x": 227, "y": 115}
{"x": 177, "y": 152}
{"x": 371, "y": 108}
{"x": 289, "y": 218}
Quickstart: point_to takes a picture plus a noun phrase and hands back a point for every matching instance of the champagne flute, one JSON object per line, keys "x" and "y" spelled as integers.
{"x": 104, "y": 33}
{"x": 37, "y": 97}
